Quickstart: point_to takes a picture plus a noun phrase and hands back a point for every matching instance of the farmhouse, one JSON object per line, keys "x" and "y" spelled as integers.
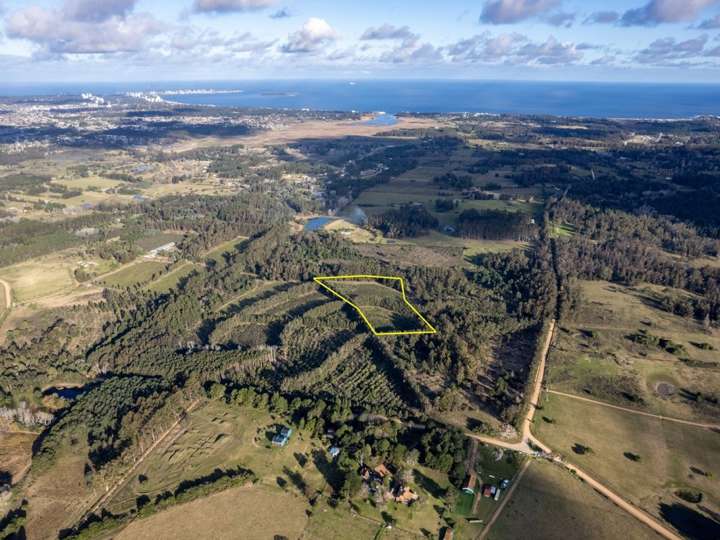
{"x": 282, "y": 437}
{"x": 404, "y": 494}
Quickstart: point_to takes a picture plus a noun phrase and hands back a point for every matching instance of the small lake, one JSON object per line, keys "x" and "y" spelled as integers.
{"x": 65, "y": 392}
{"x": 382, "y": 120}
{"x": 319, "y": 222}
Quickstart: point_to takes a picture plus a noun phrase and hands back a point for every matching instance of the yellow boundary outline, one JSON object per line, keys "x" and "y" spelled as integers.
{"x": 431, "y": 329}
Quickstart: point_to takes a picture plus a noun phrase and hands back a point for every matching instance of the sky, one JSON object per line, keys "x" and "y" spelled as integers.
{"x": 184, "y": 40}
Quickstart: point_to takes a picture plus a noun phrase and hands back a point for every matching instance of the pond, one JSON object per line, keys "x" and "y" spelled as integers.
{"x": 382, "y": 119}
{"x": 66, "y": 392}
{"x": 316, "y": 223}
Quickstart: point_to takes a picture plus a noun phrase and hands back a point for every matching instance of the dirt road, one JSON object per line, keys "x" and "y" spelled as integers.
{"x": 8, "y": 293}
{"x": 504, "y": 501}
{"x": 529, "y": 444}
{"x": 635, "y": 411}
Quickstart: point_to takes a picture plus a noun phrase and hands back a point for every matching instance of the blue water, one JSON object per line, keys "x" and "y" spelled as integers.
{"x": 522, "y": 97}
{"x": 383, "y": 120}
{"x": 313, "y": 224}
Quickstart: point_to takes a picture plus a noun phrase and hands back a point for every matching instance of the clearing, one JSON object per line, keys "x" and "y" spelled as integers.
{"x": 252, "y": 510}
{"x": 622, "y": 348}
{"x": 381, "y": 301}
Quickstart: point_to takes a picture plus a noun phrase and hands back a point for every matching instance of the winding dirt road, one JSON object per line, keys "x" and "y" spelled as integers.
{"x": 635, "y": 411}
{"x": 529, "y": 444}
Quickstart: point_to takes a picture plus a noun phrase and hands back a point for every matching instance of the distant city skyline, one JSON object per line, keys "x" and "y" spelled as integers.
{"x": 562, "y": 40}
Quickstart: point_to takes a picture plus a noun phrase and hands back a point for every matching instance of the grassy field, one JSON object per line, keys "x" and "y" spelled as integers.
{"x": 668, "y": 456}
{"x": 381, "y": 303}
{"x": 139, "y": 272}
{"x": 172, "y": 278}
{"x": 220, "y": 436}
{"x": 15, "y": 453}
{"x": 89, "y": 182}
{"x": 594, "y": 353}
{"x": 328, "y": 523}
{"x": 253, "y": 513}
{"x": 552, "y": 504}
{"x": 40, "y": 277}
{"x": 218, "y": 251}
{"x": 158, "y": 239}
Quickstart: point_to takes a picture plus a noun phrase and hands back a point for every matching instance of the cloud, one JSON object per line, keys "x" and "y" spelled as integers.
{"x": 231, "y": 6}
{"x": 561, "y": 19}
{"x": 710, "y": 24}
{"x": 93, "y": 11}
{"x": 73, "y": 30}
{"x": 283, "y": 13}
{"x": 512, "y": 11}
{"x": 388, "y": 31}
{"x": 602, "y": 17}
{"x": 666, "y": 50}
{"x": 412, "y": 51}
{"x": 512, "y": 48}
{"x": 665, "y": 11}
{"x": 314, "y": 34}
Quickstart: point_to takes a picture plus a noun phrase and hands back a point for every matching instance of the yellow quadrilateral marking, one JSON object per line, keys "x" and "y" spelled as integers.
{"x": 431, "y": 329}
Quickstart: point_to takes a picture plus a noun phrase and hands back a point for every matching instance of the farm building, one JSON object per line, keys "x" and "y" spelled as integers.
{"x": 447, "y": 534}
{"x": 487, "y": 490}
{"x": 282, "y": 437}
{"x": 404, "y": 495}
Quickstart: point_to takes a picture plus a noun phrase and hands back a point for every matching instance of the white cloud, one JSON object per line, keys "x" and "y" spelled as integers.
{"x": 231, "y": 6}
{"x": 58, "y": 32}
{"x": 512, "y": 11}
{"x": 314, "y": 34}
{"x": 388, "y": 31}
{"x": 665, "y": 11}
{"x": 513, "y": 48}
{"x": 93, "y": 11}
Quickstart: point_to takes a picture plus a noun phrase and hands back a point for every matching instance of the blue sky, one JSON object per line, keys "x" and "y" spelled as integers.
{"x": 143, "y": 40}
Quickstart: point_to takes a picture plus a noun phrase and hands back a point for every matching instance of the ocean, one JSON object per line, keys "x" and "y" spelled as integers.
{"x": 615, "y": 100}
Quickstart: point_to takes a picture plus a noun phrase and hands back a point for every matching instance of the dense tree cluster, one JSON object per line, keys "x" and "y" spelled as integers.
{"x": 408, "y": 220}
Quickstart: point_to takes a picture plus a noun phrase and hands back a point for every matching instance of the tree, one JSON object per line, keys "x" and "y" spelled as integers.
{"x": 217, "y": 391}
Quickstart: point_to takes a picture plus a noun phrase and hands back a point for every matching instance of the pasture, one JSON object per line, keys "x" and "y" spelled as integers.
{"x": 645, "y": 459}
{"x": 551, "y": 503}
{"x": 253, "y": 513}
{"x": 141, "y": 271}
{"x": 597, "y": 356}
{"x": 40, "y": 277}
{"x": 88, "y": 183}
{"x": 171, "y": 279}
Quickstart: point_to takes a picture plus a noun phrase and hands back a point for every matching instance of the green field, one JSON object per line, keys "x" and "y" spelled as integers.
{"x": 594, "y": 355}
{"x": 172, "y": 278}
{"x": 254, "y": 513}
{"x": 381, "y": 303}
{"x": 672, "y": 456}
{"x": 550, "y": 504}
{"x": 222, "y": 436}
{"x": 89, "y": 182}
{"x": 218, "y": 251}
{"x": 134, "y": 273}
{"x": 218, "y": 435}
{"x": 157, "y": 239}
